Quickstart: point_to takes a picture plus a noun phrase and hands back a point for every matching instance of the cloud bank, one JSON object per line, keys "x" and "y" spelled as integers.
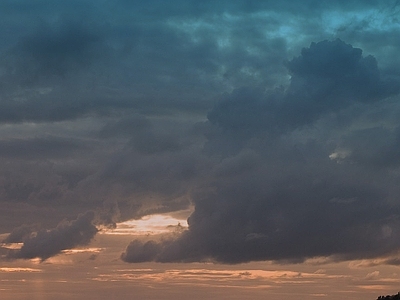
{"x": 277, "y": 121}
{"x": 285, "y": 192}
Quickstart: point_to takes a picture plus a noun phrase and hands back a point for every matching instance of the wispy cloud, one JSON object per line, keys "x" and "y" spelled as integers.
{"x": 12, "y": 270}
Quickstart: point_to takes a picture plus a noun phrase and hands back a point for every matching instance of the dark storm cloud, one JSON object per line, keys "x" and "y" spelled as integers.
{"x": 62, "y": 37}
{"x": 375, "y": 147}
{"x": 20, "y": 233}
{"x": 144, "y": 138}
{"x": 156, "y": 182}
{"x": 51, "y": 68}
{"x": 137, "y": 251}
{"x": 67, "y": 235}
{"x": 294, "y": 213}
{"x": 55, "y": 51}
{"x": 282, "y": 195}
{"x": 109, "y": 215}
{"x": 291, "y": 220}
{"x": 162, "y": 62}
{"x": 291, "y": 149}
{"x": 327, "y": 77}
{"x": 36, "y": 148}
{"x": 44, "y": 243}
{"x": 166, "y": 56}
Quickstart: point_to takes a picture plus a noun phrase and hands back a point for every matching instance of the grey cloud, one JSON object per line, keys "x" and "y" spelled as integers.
{"x": 20, "y": 233}
{"x": 67, "y": 235}
{"x": 36, "y": 148}
{"x": 151, "y": 183}
{"x": 395, "y": 261}
{"x": 38, "y": 184}
{"x": 125, "y": 127}
{"x": 340, "y": 71}
{"x": 55, "y": 51}
{"x": 275, "y": 191}
{"x": 43, "y": 170}
{"x": 118, "y": 69}
{"x": 144, "y": 137}
{"x": 329, "y": 76}
{"x": 69, "y": 176}
{"x": 53, "y": 47}
{"x": 376, "y": 147}
{"x": 138, "y": 251}
{"x": 292, "y": 220}
{"x": 287, "y": 213}
{"x": 108, "y": 215}
{"x": 52, "y": 70}
{"x": 161, "y": 64}
{"x": 194, "y": 8}
{"x": 152, "y": 143}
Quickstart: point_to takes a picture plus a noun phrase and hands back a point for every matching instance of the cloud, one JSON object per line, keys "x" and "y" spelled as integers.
{"x": 137, "y": 251}
{"x": 98, "y": 102}
{"x": 19, "y": 234}
{"x": 331, "y": 75}
{"x": 44, "y": 244}
{"x": 149, "y": 58}
{"x": 275, "y": 192}
{"x": 327, "y": 77}
{"x": 38, "y": 148}
{"x": 109, "y": 215}
{"x": 375, "y": 147}
{"x": 107, "y": 63}
{"x": 145, "y": 138}
{"x": 56, "y": 50}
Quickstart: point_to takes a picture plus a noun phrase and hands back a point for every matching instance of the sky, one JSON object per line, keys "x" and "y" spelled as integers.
{"x": 211, "y": 149}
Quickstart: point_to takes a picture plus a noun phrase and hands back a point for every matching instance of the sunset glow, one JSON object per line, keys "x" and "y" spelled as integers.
{"x": 150, "y": 225}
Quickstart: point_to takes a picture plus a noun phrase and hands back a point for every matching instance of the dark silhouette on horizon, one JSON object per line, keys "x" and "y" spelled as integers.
{"x": 393, "y": 297}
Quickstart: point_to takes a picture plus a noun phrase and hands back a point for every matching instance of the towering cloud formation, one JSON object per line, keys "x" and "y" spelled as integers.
{"x": 293, "y": 180}
{"x": 329, "y": 76}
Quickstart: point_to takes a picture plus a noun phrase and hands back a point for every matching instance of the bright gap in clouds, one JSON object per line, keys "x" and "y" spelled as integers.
{"x": 150, "y": 225}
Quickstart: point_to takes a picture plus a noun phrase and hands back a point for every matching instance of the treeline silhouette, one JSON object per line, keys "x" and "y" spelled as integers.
{"x": 393, "y": 297}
